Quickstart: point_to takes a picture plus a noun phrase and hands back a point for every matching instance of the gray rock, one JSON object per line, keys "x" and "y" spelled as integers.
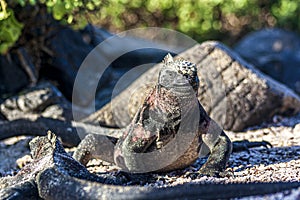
{"x": 68, "y": 52}
{"x": 275, "y": 52}
{"x": 12, "y": 76}
{"x": 44, "y": 99}
{"x": 232, "y": 91}
{"x": 112, "y": 56}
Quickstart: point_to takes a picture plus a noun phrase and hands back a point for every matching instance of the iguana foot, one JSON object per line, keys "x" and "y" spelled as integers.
{"x": 215, "y": 172}
{"x": 245, "y": 145}
{"x": 209, "y": 172}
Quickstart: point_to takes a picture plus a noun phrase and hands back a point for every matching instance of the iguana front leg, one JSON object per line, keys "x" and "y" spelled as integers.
{"x": 220, "y": 151}
{"x": 96, "y": 146}
{"x": 220, "y": 148}
{"x": 212, "y": 141}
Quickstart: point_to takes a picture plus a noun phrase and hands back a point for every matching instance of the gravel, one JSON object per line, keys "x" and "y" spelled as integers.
{"x": 279, "y": 163}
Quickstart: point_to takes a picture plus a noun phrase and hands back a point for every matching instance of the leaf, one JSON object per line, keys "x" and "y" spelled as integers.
{"x": 10, "y": 31}
{"x": 59, "y": 10}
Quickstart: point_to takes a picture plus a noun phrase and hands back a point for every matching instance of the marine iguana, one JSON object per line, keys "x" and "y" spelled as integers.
{"x": 171, "y": 123}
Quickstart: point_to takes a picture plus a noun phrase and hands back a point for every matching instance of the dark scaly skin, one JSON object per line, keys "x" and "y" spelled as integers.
{"x": 56, "y": 175}
{"x": 171, "y": 105}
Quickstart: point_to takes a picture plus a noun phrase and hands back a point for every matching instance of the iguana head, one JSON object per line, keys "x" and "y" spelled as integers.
{"x": 178, "y": 74}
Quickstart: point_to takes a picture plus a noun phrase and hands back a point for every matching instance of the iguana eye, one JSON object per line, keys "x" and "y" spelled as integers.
{"x": 169, "y": 75}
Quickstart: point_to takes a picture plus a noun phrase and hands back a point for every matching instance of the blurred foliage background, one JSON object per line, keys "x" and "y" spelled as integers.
{"x": 224, "y": 20}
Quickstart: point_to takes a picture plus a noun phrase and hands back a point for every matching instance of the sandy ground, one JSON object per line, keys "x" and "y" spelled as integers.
{"x": 279, "y": 163}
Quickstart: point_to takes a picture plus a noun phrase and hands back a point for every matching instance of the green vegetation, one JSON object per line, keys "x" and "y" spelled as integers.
{"x": 10, "y": 28}
{"x": 225, "y": 20}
